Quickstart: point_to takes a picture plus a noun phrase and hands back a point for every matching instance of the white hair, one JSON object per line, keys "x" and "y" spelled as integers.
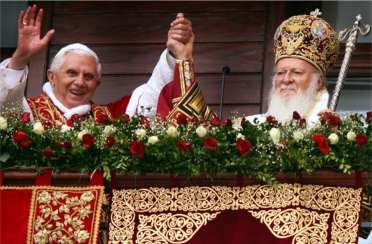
{"x": 78, "y": 48}
{"x": 302, "y": 102}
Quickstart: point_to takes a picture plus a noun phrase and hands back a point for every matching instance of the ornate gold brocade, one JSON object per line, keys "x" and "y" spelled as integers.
{"x": 191, "y": 101}
{"x": 304, "y": 225}
{"x": 301, "y": 211}
{"x": 171, "y": 228}
{"x": 45, "y": 111}
{"x": 57, "y": 214}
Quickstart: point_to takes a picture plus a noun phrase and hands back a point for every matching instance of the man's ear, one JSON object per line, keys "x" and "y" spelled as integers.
{"x": 51, "y": 77}
{"x": 321, "y": 82}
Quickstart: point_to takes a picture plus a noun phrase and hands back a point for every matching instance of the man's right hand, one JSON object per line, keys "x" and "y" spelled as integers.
{"x": 181, "y": 38}
{"x": 29, "y": 42}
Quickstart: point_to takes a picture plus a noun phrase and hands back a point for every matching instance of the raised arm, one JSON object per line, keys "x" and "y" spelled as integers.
{"x": 13, "y": 71}
{"x": 29, "y": 41}
{"x": 144, "y": 99}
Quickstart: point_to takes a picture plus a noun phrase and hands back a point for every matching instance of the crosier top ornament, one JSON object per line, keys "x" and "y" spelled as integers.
{"x": 352, "y": 35}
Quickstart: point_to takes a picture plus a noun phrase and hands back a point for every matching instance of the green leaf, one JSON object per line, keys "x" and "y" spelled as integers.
{"x": 4, "y": 157}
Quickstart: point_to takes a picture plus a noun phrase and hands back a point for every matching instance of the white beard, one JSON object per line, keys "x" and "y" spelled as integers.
{"x": 302, "y": 102}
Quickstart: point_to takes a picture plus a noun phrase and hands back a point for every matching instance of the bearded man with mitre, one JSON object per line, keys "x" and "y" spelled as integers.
{"x": 305, "y": 48}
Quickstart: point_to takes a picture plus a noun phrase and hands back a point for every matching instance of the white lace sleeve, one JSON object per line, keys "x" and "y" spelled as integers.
{"x": 144, "y": 98}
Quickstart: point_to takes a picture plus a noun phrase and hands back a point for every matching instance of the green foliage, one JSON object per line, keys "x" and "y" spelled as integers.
{"x": 271, "y": 147}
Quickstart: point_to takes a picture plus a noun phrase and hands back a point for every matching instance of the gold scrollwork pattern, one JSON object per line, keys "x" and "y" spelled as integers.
{"x": 171, "y": 228}
{"x": 305, "y": 226}
{"x": 296, "y": 207}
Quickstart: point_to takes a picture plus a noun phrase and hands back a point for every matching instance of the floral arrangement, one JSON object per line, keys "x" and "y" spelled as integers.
{"x": 189, "y": 148}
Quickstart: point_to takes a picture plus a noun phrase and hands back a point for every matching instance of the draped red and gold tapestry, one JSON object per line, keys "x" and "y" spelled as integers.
{"x": 286, "y": 213}
{"x": 48, "y": 214}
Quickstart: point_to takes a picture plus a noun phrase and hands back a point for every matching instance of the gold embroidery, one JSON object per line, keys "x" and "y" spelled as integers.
{"x": 306, "y": 226}
{"x": 341, "y": 203}
{"x": 59, "y": 214}
{"x": 55, "y": 204}
{"x": 44, "y": 110}
{"x": 307, "y": 37}
{"x": 171, "y": 228}
{"x": 191, "y": 101}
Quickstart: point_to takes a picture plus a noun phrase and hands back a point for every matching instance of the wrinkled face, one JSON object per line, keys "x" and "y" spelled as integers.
{"x": 75, "y": 82}
{"x": 293, "y": 76}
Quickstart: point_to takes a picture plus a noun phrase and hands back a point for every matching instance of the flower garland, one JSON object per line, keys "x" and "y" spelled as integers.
{"x": 189, "y": 148}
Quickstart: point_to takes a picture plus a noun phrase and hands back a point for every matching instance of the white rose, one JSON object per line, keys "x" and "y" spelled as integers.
{"x": 38, "y": 128}
{"x": 275, "y": 135}
{"x": 152, "y": 140}
{"x": 298, "y": 135}
{"x": 3, "y": 123}
{"x": 140, "y": 133}
{"x": 333, "y": 138}
{"x": 351, "y": 136}
{"x": 201, "y": 131}
{"x": 81, "y": 133}
{"x": 65, "y": 128}
{"x": 109, "y": 130}
{"x": 237, "y": 123}
{"x": 172, "y": 131}
{"x": 240, "y": 136}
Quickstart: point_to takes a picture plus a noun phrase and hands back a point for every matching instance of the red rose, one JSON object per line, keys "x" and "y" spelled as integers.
{"x": 19, "y": 135}
{"x": 67, "y": 145}
{"x": 76, "y": 118}
{"x": 228, "y": 122}
{"x": 24, "y": 143}
{"x": 25, "y": 118}
{"x": 88, "y": 141}
{"x": 324, "y": 148}
{"x": 369, "y": 117}
{"x": 101, "y": 118}
{"x": 334, "y": 120}
{"x": 321, "y": 141}
{"x": 210, "y": 143}
{"x": 319, "y": 138}
{"x": 70, "y": 123}
{"x": 137, "y": 148}
{"x": 48, "y": 152}
{"x": 330, "y": 118}
{"x": 215, "y": 121}
{"x": 244, "y": 146}
{"x": 296, "y": 115}
{"x": 110, "y": 141}
{"x": 183, "y": 146}
{"x": 181, "y": 119}
{"x": 271, "y": 120}
{"x": 361, "y": 139}
{"x": 126, "y": 118}
{"x": 302, "y": 121}
{"x": 21, "y": 138}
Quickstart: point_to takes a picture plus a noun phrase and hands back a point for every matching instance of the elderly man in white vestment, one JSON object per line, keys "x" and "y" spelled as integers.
{"x": 75, "y": 73}
{"x": 305, "y": 47}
